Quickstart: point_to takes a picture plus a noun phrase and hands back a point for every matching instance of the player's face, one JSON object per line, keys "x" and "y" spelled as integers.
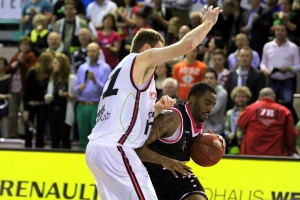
{"x": 241, "y": 99}
{"x": 203, "y": 106}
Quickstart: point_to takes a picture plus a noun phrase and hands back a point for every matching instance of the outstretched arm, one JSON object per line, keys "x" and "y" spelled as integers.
{"x": 152, "y": 57}
{"x": 164, "y": 125}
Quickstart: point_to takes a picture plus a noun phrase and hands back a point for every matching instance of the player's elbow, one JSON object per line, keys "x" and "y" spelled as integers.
{"x": 188, "y": 46}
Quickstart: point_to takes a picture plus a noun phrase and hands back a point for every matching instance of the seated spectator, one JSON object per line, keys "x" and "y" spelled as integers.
{"x": 241, "y": 40}
{"x": 59, "y": 10}
{"x": 188, "y": 72}
{"x": 215, "y": 43}
{"x": 4, "y": 94}
{"x": 110, "y": 41}
{"x": 215, "y": 120}
{"x": 39, "y": 34}
{"x": 170, "y": 88}
{"x": 159, "y": 18}
{"x": 173, "y": 28}
{"x": 69, "y": 26}
{"x": 162, "y": 72}
{"x": 35, "y": 108}
{"x": 30, "y": 9}
{"x": 269, "y": 127}
{"x": 91, "y": 77}
{"x": 245, "y": 75}
{"x": 61, "y": 98}
{"x": 18, "y": 66}
{"x": 233, "y": 135}
{"x": 290, "y": 18}
{"x": 219, "y": 59}
{"x": 96, "y": 10}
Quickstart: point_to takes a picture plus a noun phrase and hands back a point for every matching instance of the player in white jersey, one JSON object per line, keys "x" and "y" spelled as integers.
{"x": 127, "y": 109}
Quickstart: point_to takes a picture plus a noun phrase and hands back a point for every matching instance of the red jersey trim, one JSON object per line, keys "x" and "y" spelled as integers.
{"x": 195, "y": 130}
{"x": 181, "y": 129}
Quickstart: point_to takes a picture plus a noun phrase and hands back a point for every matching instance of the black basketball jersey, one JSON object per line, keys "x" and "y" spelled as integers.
{"x": 79, "y": 57}
{"x": 179, "y": 148}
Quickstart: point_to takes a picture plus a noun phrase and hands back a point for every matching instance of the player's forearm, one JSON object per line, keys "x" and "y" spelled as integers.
{"x": 147, "y": 155}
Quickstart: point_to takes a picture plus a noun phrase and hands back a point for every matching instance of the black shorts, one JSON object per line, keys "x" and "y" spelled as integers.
{"x": 178, "y": 188}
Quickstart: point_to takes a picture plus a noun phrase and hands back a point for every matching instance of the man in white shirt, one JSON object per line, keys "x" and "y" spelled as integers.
{"x": 280, "y": 61}
{"x": 96, "y": 10}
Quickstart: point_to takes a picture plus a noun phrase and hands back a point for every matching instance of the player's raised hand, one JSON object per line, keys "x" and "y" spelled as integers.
{"x": 176, "y": 166}
{"x": 211, "y": 14}
{"x": 165, "y": 102}
{"x": 220, "y": 138}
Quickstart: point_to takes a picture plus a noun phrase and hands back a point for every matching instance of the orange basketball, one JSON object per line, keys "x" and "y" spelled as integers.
{"x": 206, "y": 150}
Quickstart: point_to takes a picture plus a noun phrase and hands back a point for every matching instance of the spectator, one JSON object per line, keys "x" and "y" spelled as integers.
{"x": 179, "y": 9}
{"x": 4, "y": 95}
{"x": 39, "y": 34}
{"x": 54, "y": 43}
{"x": 59, "y": 10}
{"x": 18, "y": 67}
{"x": 219, "y": 59}
{"x": 279, "y": 63}
{"x": 196, "y": 19}
{"x": 69, "y": 26}
{"x": 245, "y": 75}
{"x": 215, "y": 121}
{"x": 110, "y": 41}
{"x": 269, "y": 127}
{"x": 173, "y": 28}
{"x": 162, "y": 72}
{"x": 290, "y": 18}
{"x": 215, "y": 42}
{"x": 238, "y": 11}
{"x": 35, "y": 108}
{"x": 188, "y": 72}
{"x": 91, "y": 77}
{"x": 30, "y": 9}
{"x": 96, "y": 10}
{"x": 170, "y": 88}
{"x": 61, "y": 97}
{"x": 126, "y": 22}
{"x": 241, "y": 40}
{"x": 233, "y": 135}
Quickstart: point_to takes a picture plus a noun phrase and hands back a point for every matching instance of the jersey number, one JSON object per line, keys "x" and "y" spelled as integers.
{"x": 147, "y": 126}
{"x": 110, "y": 89}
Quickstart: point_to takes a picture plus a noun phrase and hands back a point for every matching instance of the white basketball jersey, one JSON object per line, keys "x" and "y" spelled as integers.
{"x": 125, "y": 111}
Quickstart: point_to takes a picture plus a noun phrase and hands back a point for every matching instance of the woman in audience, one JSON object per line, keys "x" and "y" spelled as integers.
{"x": 110, "y": 41}
{"x": 233, "y": 135}
{"x": 61, "y": 98}
{"x": 18, "y": 67}
{"x": 35, "y": 108}
{"x": 4, "y": 94}
{"x": 215, "y": 42}
{"x": 39, "y": 34}
{"x": 173, "y": 28}
{"x": 162, "y": 72}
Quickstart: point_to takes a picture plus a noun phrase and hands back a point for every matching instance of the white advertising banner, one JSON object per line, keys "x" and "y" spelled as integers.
{"x": 11, "y": 9}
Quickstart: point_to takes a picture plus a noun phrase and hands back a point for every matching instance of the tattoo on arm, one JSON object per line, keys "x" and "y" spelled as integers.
{"x": 164, "y": 125}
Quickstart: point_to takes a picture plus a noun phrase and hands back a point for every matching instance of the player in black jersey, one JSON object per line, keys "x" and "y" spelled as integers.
{"x": 169, "y": 142}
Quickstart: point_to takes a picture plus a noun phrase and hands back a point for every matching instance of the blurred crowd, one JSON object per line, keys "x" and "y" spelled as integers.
{"x": 56, "y": 78}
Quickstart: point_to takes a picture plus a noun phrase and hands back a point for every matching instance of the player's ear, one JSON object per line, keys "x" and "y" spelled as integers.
{"x": 192, "y": 99}
{"x": 145, "y": 47}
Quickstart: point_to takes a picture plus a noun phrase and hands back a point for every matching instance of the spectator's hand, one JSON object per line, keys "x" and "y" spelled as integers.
{"x": 255, "y": 17}
{"x": 14, "y": 64}
{"x": 176, "y": 166}
{"x": 220, "y": 138}
{"x": 285, "y": 69}
{"x": 119, "y": 13}
{"x": 266, "y": 72}
{"x": 155, "y": 15}
{"x": 48, "y": 97}
{"x": 61, "y": 93}
{"x": 2, "y": 96}
{"x": 108, "y": 46}
{"x": 81, "y": 86}
{"x": 21, "y": 57}
{"x": 25, "y": 115}
{"x": 231, "y": 136}
{"x": 211, "y": 14}
{"x": 91, "y": 75}
{"x": 245, "y": 29}
{"x": 33, "y": 11}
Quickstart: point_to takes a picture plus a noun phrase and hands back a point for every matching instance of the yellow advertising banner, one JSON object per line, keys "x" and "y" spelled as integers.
{"x": 64, "y": 175}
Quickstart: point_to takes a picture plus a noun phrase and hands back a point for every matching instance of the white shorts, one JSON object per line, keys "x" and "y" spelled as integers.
{"x": 119, "y": 172}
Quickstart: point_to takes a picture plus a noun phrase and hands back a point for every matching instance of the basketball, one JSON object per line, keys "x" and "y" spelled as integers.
{"x": 206, "y": 150}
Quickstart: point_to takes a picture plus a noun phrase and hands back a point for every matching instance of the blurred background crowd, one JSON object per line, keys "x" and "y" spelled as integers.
{"x": 50, "y": 87}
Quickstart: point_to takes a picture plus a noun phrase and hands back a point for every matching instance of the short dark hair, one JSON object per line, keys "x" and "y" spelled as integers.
{"x": 25, "y": 39}
{"x": 71, "y": 2}
{"x": 219, "y": 42}
{"x": 211, "y": 70}
{"x": 4, "y": 61}
{"x": 219, "y": 52}
{"x": 145, "y": 36}
{"x": 200, "y": 88}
